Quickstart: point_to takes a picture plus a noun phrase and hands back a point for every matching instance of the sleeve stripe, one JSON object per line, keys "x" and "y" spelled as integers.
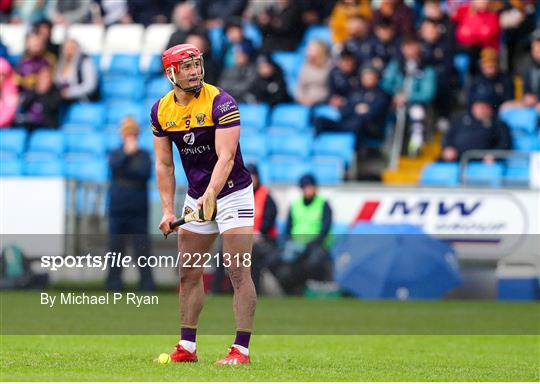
{"x": 237, "y": 116}
{"x": 228, "y": 120}
{"x": 229, "y": 114}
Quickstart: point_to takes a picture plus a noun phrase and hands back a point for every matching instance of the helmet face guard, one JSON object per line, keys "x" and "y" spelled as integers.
{"x": 181, "y": 55}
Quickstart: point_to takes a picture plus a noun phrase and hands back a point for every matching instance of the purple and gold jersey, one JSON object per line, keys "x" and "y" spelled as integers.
{"x": 192, "y": 128}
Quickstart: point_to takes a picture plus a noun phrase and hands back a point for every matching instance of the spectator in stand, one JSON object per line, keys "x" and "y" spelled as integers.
{"x": 149, "y": 12}
{"x": 27, "y": 11}
{"x": 9, "y": 93}
{"x": 312, "y": 87}
{"x": 477, "y": 28}
{"x": 384, "y": 44}
{"x": 185, "y": 20}
{"x": 358, "y": 39}
{"x": 342, "y": 12}
{"x": 281, "y": 26}
{"x": 399, "y": 15}
{"x": 433, "y": 11}
{"x": 307, "y": 239}
{"x": 130, "y": 168}
{"x": 478, "y": 128}
{"x": 76, "y": 74}
{"x": 34, "y": 59}
{"x": 270, "y": 86}
{"x": 235, "y": 37}
{"x": 111, "y": 12}
{"x": 315, "y": 12}
{"x": 216, "y": 12}
{"x": 239, "y": 79}
{"x": 491, "y": 78}
{"x": 531, "y": 78}
{"x": 437, "y": 52}
{"x": 364, "y": 111}
{"x": 44, "y": 29}
{"x": 518, "y": 20}
{"x": 212, "y": 69}
{"x": 265, "y": 230}
{"x": 66, "y": 12}
{"x": 39, "y": 107}
{"x": 343, "y": 78}
{"x": 413, "y": 87}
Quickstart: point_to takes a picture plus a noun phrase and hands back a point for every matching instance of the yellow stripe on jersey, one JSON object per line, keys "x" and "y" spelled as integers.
{"x": 229, "y": 114}
{"x": 229, "y": 119}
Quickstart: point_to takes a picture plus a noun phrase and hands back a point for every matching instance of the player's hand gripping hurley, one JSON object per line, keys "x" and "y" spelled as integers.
{"x": 207, "y": 212}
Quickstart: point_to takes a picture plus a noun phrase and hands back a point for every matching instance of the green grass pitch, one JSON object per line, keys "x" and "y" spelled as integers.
{"x": 280, "y": 358}
{"x": 377, "y": 341}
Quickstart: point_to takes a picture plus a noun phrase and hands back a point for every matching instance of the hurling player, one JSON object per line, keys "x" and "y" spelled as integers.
{"x": 203, "y": 122}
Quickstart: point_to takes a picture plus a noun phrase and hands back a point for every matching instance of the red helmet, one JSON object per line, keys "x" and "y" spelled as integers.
{"x": 181, "y": 53}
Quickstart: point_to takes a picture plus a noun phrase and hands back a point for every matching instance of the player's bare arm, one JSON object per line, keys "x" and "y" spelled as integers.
{"x": 226, "y": 144}
{"x": 165, "y": 181}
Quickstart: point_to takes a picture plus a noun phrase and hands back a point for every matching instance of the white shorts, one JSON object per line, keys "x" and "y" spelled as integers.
{"x": 233, "y": 211}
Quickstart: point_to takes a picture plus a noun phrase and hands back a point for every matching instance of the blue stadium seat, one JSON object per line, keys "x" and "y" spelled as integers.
{"x": 11, "y": 167}
{"x": 328, "y": 170}
{"x": 180, "y": 174}
{"x": 91, "y": 143}
{"x": 287, "y": 169}
{"x": 442, "y": 174}
{"x": 335, "y": 144}
{"x": 317, "y": 32}
{"x": 264, "y": 171}
{"x": 155, "y": 67}
{"x": 146, "y": 141}
{"x": 483, "y": 174}
{"x": 122, "y": 87}
{"x": 157, "y": 87}
{"x": 289, "y": 62}
{"x": 52, "y": 167}
{"x": 252, "y": 32}
{"x": 521, "y": 119}
{"x": 13, "y": 140}
{"x": 86, "y": 168}
{"x": 46, "y": 140}
{"x": 253, "y": 145}
{"x": 78, "y": 128}
{"x": 118, "y": 110}
{"x": 293, "y": 116}
{"x": 327, "y": 112}
{"x": 216, "y": 36}
{"x": 516, "y": 176}
{"x": 525, "y": 142}
{"x": 254, "y": 115}
{"x": 86, "y": 113}
{"x": 124, "y": 64}
{"x": 290, "y": 144}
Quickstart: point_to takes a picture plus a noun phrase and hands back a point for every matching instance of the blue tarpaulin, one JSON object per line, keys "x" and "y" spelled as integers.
{"x": 378, "y": 261}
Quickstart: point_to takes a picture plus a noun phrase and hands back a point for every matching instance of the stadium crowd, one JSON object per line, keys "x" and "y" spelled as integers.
{"x": 453, "y": 67}
{"x": 450, "y": 66}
